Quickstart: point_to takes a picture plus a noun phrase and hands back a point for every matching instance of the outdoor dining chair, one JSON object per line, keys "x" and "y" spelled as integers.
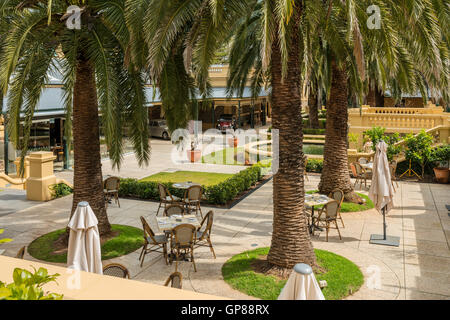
{"x": 165, "y": 197}
{"x": 175, "y": 280}
{"x": 328, "y": 215}
{"x": 173, "y": 209}
{"x": 152, "y": 242}
{"x": 116, "y": 270}
{"x": 21, "y": 253}
{"x": 191, "y": 199}
{"x": 393, "y": 169}
{"x": 203, "y": 238}
{"x": 338, "y": 195}
{"x": 359, "y": 174}
{"x": 111, "y": 190}
{"x": 183, "y": 242}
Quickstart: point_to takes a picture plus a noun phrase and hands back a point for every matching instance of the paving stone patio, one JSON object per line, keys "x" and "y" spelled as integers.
{"x": 418, "y": 269}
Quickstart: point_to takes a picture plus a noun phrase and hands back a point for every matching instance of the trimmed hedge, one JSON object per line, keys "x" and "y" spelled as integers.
{"x": 314, "y": 165}
{"x": 220, "y": 193}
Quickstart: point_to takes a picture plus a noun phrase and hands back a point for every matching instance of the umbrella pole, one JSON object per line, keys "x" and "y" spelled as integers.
{"x": 384, "y": 239}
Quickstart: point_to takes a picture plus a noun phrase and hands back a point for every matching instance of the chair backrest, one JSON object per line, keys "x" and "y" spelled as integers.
{"x": 173, "y": 209}
{"x": 338, "y": 195}
{"x": 209, "y": 218}
{"x": 162, "y": 191}
{"x": 359, "y": 169}
{"x": 116, "y": 270}
{"x": 148, "y": 232}
{"x": 363, "y": 160}
{"x": 175, "y": 280}
{"x": 112, "y": 183}
{"x": 353, "y": 167}
{"x": 20, "y": 254}
{"x": 194, "y": 193}
{"x": 184, "y": 234}
{"x": 332, "y": 208}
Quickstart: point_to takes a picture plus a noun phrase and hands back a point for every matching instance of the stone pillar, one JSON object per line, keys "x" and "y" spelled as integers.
{"x": 41, "y": 176}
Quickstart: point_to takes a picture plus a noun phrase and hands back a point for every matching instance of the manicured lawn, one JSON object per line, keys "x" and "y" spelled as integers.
{"x": 342, "y": 275}
{"x": 225, "y": 156}
{"x": 128, "y": 240}
{"x": 203, "y": 178}
{"x": 352, "y": 207}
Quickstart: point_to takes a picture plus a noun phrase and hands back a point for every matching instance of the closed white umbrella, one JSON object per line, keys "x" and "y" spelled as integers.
{"x": 382, "y": 193}
{"x": 84, "y": 251}
{"x": 301, "y": 285}
{"x": 381, "y": 190}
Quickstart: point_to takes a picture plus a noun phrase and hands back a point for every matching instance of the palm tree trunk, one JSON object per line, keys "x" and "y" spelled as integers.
{"x": 88, "y": 181}
{"x": 313, "y": 110}
{"x": 335, "y": 173}
{"x": 291, "y": 242}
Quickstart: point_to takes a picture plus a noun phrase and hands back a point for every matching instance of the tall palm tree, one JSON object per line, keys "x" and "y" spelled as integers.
{"x": 391, "y": 52}
{"x": 182, "y": 37}
{"x": 97, "y": 78}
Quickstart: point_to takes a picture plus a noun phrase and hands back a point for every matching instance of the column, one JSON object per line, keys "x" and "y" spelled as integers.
{"x": 41, "y": 176}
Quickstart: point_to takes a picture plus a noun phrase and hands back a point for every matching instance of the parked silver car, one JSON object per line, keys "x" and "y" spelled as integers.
{"x": 159, "y": 128}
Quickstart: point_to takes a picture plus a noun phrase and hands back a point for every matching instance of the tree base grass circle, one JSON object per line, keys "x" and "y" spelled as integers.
{"x": 343, "y": 276}
{"x": 125, "y": 240}
{"x": 352, "y": 207}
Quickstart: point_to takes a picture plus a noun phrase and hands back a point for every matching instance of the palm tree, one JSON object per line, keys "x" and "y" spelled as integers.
{"x": 391, "y": 50}
{"x": 182, "y": 38}
{"x": 98, "y": 77}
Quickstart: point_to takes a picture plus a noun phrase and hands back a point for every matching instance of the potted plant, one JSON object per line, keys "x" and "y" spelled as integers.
{"x": 441, "y": 158}
{"x": 233, "y": 141}
{"x": 194, "y": 154}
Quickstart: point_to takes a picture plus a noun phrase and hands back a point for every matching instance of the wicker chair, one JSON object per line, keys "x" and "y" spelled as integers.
{"x": 192, "y": 198}
{"x": 393, "y": 169}
{"x": 153, "y": 243}
{"x": 359, "y": 173}
{"x": 165, "y": 197}
{"x": 116, "y": 270}
{"x": 173, "y": 209}
{"x": 175, "y": 280}
{"x": 338, "y": 195}
{"x": 21, "y": 253}
{"x": 183, "y": 242}
{"x": 203, "y": 238}
{"x": 111, "y": 189}
{"x": 327, "y": 215}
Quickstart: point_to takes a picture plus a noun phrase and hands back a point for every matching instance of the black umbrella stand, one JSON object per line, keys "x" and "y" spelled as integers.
{"x": 383, "y": 239}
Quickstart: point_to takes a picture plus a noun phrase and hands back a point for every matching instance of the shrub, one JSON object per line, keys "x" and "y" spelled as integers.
{"x": 377, "y": 133}
{"x": 419, "y": 149}
{"x": 220, "y": 193}
{"x": 314, "y": 165}
{"x": 441, "y": 155}
{"x": 60, "y": 190}
{"x": 313, "y": 131}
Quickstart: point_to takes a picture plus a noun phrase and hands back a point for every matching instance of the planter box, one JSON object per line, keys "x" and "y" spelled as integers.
{"x": 442, "y": 174}
{"x": 194, "y": 155}
{"x": 233, "y": 142}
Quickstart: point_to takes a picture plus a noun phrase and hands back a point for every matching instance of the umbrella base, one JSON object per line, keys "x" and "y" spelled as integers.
{"x": 380, "y": 239}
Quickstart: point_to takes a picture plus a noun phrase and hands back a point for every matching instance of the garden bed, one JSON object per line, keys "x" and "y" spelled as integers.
{"x": 343, "y": 276}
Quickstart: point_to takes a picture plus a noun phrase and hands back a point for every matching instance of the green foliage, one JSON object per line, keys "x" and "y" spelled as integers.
{"x": 377, "y": 133}
{"x": 218, "y": 193}
{"x": 352, "y": 137}
{"x": 419, "y": 148}
{"x": 60, "y": 190}
{"x": 441, "y": 155}
{"x": 342, "y": 275}
{"x": 313, "y": 131}
{"x": 4, "y": 240}
{"x": 28, "y": 286}
{"x": 314, "y": 165}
